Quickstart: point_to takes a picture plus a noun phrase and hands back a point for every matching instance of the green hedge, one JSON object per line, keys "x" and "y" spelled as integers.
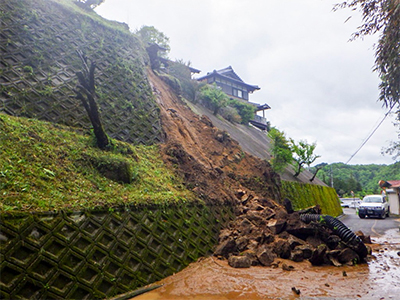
{"x": 304, "y": 195}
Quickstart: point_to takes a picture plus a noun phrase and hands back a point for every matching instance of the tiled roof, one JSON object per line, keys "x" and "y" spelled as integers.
{"x": 229, "y": 74}
{"x": 394, "y": 183}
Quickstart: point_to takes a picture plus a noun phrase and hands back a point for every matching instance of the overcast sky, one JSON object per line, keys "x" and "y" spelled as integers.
{"x": 320, "y": 86}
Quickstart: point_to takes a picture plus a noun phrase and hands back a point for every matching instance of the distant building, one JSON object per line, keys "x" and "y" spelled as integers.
{"x": 232, "y": 85}
{"x": 392, "y": 189}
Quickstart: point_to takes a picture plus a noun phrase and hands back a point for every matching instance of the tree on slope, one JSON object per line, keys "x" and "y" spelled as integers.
{"x": 214, "y": 97}
{"x": 303, "y": 154}
{"x": 281, "y": 151}
{"x": 151, "y": 35}
{"x": 86, "y": 93}
{"x": 90, "y": 4}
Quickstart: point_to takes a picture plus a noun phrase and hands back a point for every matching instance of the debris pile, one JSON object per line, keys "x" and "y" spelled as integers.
{"x": 264, "y": 231}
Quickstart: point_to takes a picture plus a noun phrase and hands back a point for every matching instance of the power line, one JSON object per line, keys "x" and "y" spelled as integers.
{"x": 371, "y": 134}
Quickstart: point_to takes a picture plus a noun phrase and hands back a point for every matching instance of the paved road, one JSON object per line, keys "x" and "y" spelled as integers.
{"x": 369, "y": 226}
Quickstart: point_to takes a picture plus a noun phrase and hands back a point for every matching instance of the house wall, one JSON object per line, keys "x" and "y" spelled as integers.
{"x": 394, "y": 201}
{"x": 229, "y": 88}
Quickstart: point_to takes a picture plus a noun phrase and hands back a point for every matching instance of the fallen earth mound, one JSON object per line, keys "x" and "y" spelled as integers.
{"x": 264, "y": 231}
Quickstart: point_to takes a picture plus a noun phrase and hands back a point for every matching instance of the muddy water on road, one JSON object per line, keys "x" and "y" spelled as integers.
{"x": 213, "y": 279}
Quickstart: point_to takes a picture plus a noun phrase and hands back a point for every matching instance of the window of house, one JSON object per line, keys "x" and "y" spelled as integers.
{"x": 237, "y": 93}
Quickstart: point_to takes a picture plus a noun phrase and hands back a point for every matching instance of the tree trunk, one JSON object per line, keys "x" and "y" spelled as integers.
{"x": 87, "y": 95}
{"x": 315, "y": 174}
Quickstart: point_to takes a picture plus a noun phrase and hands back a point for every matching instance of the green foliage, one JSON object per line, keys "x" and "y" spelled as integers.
{"x": 89, "y": 4}
{"x": 189, "y": 87}
{"x": 305, "y": 195}
{"x": 361, "y": 179}
{"x": 173, "y": 82}
{"x": 45, "y": 166}
{"x": 281, "y": 151}
{"x": 303, "y": 154}
{"x": 245, "y": 110}
{"x": 151, "y": 35}
{"x": 214, "y": 97}
{"x": 231, "y": 114}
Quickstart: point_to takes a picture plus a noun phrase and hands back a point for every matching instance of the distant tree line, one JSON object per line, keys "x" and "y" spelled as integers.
{"x": 359, "y": 179}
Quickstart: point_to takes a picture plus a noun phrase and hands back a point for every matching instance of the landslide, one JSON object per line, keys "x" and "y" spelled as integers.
{"x": 218, "y": 171}
{"x": 213, "y": 164}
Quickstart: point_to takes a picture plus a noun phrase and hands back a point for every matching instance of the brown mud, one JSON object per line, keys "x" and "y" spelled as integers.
{"x": 213, "y": 279}
{"x": 212, "y": 164}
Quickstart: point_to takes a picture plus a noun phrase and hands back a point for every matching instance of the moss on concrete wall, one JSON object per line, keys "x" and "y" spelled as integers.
{"x": 305, "y": 195}
{"x": 99, "y": 254}
{"x": 38, "y": 62}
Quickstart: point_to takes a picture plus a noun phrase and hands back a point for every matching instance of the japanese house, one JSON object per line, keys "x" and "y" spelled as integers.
{"x": 232, "y": 85}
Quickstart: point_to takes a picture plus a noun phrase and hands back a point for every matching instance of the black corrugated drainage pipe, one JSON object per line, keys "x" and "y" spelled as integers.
{"x": 348, "y": 236}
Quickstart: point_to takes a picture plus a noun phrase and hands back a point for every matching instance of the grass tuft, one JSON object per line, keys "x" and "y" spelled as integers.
{"x": 47, "y": 167}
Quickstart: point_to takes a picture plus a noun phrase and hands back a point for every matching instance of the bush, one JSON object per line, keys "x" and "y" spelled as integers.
{"x": 213, "y": 97}
{"x": 231, "y": 114}
{"x": 281, "y": 151}
{"x": 245, "y": 110}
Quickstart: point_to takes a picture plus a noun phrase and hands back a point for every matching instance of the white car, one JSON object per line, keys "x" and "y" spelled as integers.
{"x": 374, "y": 206}
{"x": 350, "y": 202}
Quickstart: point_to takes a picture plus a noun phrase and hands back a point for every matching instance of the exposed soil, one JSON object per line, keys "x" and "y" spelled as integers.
{"x": 212, "y": 163}
{"x": 214, "y": 279}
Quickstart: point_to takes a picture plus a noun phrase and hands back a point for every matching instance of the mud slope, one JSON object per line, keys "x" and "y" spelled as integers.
{"x": 214, "y": 166}
{"x": 253, "y": 141}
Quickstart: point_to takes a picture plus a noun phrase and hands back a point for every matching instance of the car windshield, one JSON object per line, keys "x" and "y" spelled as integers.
{"x": 373, "y": 200}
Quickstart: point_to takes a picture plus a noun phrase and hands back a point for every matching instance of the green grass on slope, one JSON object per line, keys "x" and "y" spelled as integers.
{"x": 50, "y": 167}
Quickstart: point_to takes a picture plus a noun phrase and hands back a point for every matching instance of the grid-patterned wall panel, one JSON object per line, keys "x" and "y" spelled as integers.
{"x": 38, "y": 62}
{"x": 98, "y": 254}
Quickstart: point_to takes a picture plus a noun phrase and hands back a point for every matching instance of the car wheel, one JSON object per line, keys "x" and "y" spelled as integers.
{"x": 387, "y": 214}
{"x": 383, "y": 215}
{"x": 361, "y": 216}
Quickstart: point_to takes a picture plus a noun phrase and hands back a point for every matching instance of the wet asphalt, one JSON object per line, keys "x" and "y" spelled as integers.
{"x": 374, "y": 227}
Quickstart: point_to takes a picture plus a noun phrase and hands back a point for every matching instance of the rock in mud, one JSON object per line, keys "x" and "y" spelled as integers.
{"x": 366, "y": 239}
{"x": 348, "y": 257}
{"x": 265, "y": 256}
{"x": 318, "y": 256}
{"x": 297, "y": 255}
{"x": 282, "y": 249}
{"x": 226, "y": 247}
{"x": 286, "y": 267}
{"x": 239, "y": 261}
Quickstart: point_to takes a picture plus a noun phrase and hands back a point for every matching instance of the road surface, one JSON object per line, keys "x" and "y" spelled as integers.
{"x": 369, "y": 226}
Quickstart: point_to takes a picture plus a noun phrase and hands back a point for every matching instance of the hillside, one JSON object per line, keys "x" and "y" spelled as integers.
{"x": 212, "y": 158}
{"x": 361, "y": 179}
